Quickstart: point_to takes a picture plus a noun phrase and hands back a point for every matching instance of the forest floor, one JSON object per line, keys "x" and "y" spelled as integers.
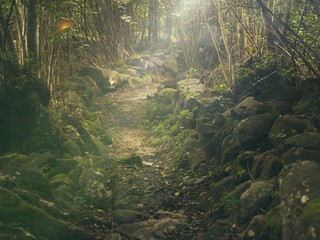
{"x": 149, "y": 205}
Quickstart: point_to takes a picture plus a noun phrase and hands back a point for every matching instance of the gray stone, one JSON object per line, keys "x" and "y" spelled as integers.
{"x": 206, "y": 129}
{"x": 130, "y": 159}
{"x": 258, "y": 196}
{"x": 277, "y": 107}
{"x": 156, "y": 60}
{"x": 123, "y": 216}
{"x": 190, "y": 88}
{"x": 153, "y": 229}
{"x": 299, "y": 186}
{"x": 248, "y": 107}
{"x": 136, "y": 82}
{"x": 70, "y": 147}
{"x": 171, "y": 66}
{"x": 229, "y": 149}
{"x": 132, "y": 72}
{"x": 286, "y": 126}
{"x": 98, "y": 147}
{"x": 252, "y": 130}
{"x": 296, "y": 154}
{"x": 105, "y": 78}
{"x": 307, "y": 140}
{"x": 266, "y": 226}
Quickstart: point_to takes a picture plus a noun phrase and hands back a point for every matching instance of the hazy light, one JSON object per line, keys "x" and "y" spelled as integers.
{"x": 63, "y": 25}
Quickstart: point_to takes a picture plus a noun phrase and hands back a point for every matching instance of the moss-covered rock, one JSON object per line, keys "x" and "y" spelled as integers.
{"x": 307, "y": 140}
{"x": 170, "y": 93}
{"x": 171, "y": 66}
{"x": 136, "y": 82}
{"x": 106, "y": 79}
{"x": 248, "y": 107}
{"x": 272, "y": 167}
{"x": 260, "y": 195}
{"x": 229, "y": 149}
{"x": 266, "y": 226}
{"x": 26, "y": 175}
{"x": 190, "y": 88}
{"x": 286, "y": 126}
{"x": 299, "y": 188}
{"x": 15, "y": 211}
{"x": 266, "y": 165}
{"x": 308, "y": 224}
{"x": 309, "y": 104}
{"x": 296, "y": 154}
{"x": 253, "y": 130}
{"x": 70, "y": 147}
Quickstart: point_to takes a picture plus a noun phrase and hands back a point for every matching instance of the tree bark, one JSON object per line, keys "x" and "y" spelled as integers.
{"x": 32, "y": 29}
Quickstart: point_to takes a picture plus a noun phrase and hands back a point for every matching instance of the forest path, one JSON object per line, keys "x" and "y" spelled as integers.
{"x": 145, "y": 207}
{"x": 124, "y": 115}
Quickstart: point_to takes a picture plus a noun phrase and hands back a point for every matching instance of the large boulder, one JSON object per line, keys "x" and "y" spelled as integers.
{"x": 190, "y": 87}
{"x": 299, "y": 196}
{"x": 259, "y": 196}
{"x": 266, "y": 226}
{"x": 171, "y": 66}
{"x": 106, "y": 79}
{"x": 70, "y": 147}
{"x": 33, "y": 222}
{"x": 25, "y": 175}
{"x": 248, "y": 107}
{"x": 266, "y": 165}
{"x": 252, "y": 130}
{"x": 286, "y": 126}
{"x": 295, "y": 154}
{"x": 229, "y": 149}
{"x": 307, "y": 140}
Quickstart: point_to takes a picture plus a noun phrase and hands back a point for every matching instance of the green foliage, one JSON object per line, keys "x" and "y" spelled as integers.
{"x": 158, "y": 109}
{"x": 220, "y": 88}
{"x": 229, "y": 203}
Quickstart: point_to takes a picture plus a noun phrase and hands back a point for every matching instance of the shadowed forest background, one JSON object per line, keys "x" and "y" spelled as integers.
{"x": 159, "y": 119}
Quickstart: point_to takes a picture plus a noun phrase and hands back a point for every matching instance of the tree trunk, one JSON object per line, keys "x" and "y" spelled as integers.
{"x": 32, "y": 29}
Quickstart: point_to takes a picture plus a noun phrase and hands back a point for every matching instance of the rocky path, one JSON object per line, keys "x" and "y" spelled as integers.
{"x": 144, "y": 194}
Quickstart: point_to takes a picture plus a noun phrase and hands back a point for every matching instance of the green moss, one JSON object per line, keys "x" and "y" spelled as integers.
{"x": 229, "y": 203}
{"x": 13, "y": 160}
{"x": 185, "y": 113}
{"x": 159, "y": 109}
{"x": 267, "y": 226}
{"x": 34, "y": 181}
{"x": 165, "y": 91}
{"x": 311, "y": 214}
{"x": 119, "y": 64}
{"x": 273, "y": 224}
{"x": 42, "y": 225}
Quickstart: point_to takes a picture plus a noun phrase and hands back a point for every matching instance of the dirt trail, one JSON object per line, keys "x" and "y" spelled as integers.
{"x": 124, "y": 116}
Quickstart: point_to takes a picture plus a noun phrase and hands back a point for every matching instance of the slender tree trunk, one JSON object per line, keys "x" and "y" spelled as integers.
{"x": 32, "y": 30}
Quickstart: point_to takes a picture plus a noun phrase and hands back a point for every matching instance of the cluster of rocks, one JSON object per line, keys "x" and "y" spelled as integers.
{"x": 266, "y": 142}
{"x": 133, "y": 72}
